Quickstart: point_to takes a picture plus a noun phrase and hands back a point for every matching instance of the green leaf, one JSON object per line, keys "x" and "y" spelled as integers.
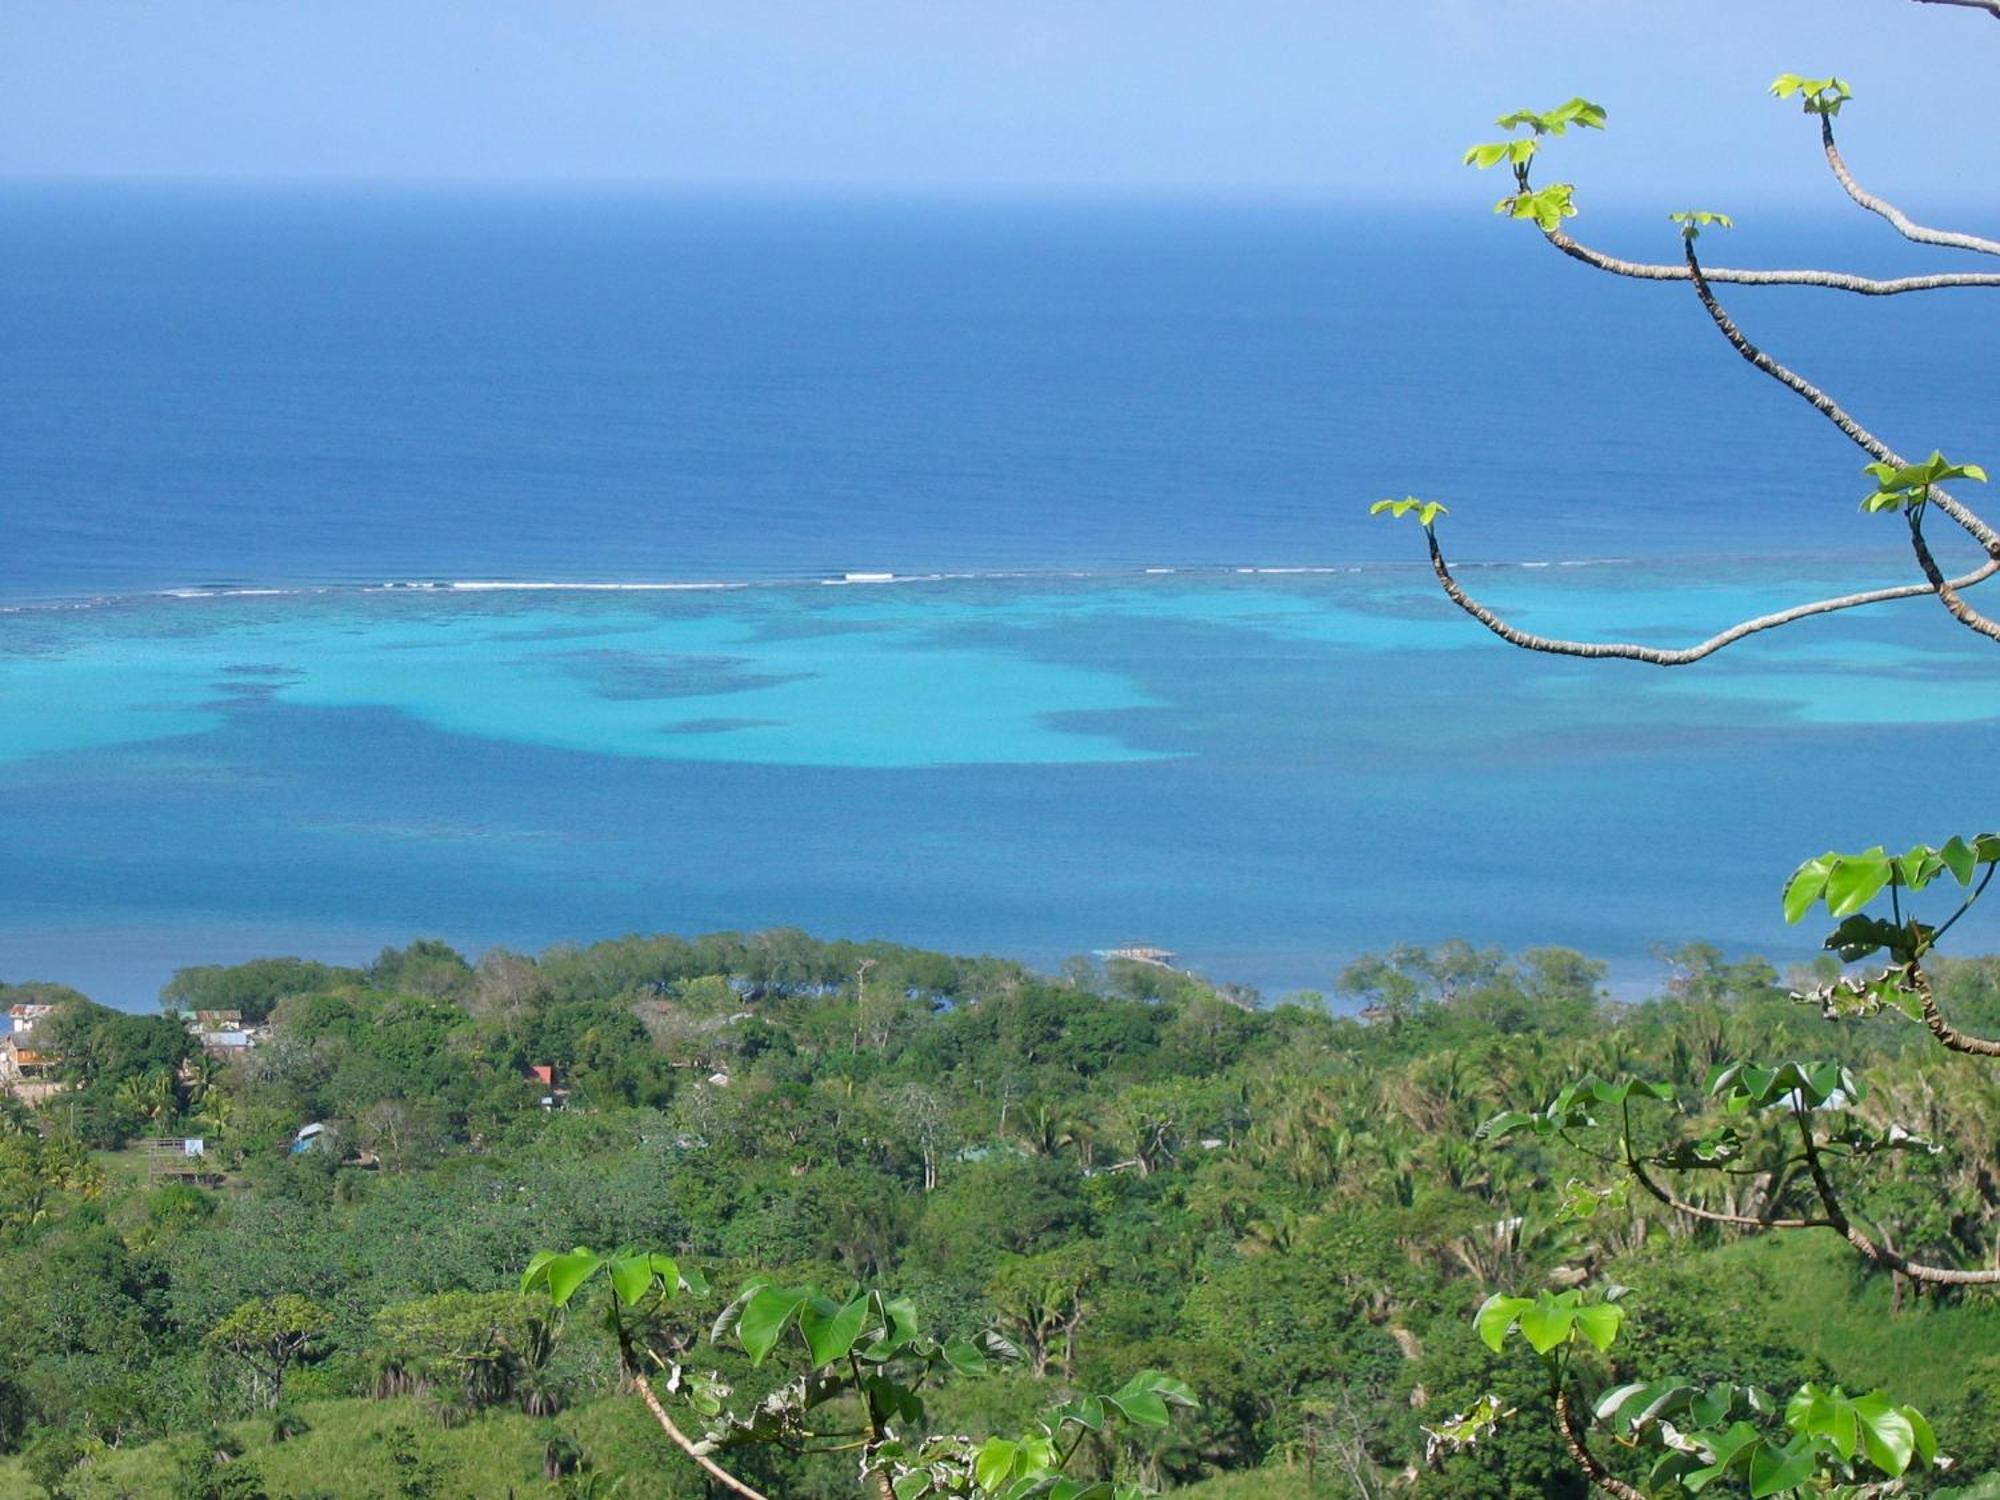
{"x": 1774, "y": 1470}
{"x": 632, "y": 1276}
{"x": 1858, "y": 936}
{"x": 537, "y": 1273}
{"x": 1579, "y": 112}
{"x": 763, "y": 1319}
{"x": 1920, "y": 1432}
{"x": 830, "y": 1328}
{"x": 1599, "y": 1322}
{"x": 1959, "y": 859}
{"x": 1887, "y": 1436}
{"x": 1495, "y": 1316}
{"x": 1711, "y": 1406}
{"x": 900, "y": 1314}
{"x": 1546, "y": 1322}
{"x": 1901, "y": 486}
{"x": 1632, "y": 1406}
{"x": 963, "y": 1356}
{"x": 1818, "y": 96}
{"x": 993, "y": 1465}
{"x": 1086, "y": 1412}
{"x": 1548, "y": 206}
{"x": 1145, "y": 1397}
{"x": 568, "y": 1272}
{"x": 1426, "y": 511}
{"x": 1141, "y": 1408}
{"x": 1693, "y": 221}
{"x": 1855, "y": 880}
{"x": 1490, "y": 154}
{"x": 1503, "y": 1125}
{"x": 1807, "y": 885}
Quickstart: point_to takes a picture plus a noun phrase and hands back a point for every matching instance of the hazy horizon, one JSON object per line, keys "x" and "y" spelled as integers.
{"x": 1125, "y": 96}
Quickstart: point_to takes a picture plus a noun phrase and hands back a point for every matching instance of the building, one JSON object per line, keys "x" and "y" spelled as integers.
{"x": 23, "y": 1017}
{"x": 1142, "y": 953}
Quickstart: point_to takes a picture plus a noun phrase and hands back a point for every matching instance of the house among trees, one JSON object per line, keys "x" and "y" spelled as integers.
{"x": 22, "y": 1018}
{"x": 544, "y": 1074}
{"x": 1142, "y": 953}
{"x": 27, "y": 1073}
{"x": 19, "y": 1064}
{"x": 222, "y": 1032}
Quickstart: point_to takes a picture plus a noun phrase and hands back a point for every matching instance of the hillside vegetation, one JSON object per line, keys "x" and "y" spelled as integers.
{"x": 1120, "y": 1169}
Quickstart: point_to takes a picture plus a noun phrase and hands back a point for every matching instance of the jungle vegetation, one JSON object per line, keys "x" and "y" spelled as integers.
{"x": 1276, "y": 1218}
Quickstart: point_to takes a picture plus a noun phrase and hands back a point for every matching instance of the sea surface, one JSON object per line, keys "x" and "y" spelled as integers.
{"x": 996, "y": 575}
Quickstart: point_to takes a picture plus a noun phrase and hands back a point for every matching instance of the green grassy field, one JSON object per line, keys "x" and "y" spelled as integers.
{"x": 1918, "y": 1354}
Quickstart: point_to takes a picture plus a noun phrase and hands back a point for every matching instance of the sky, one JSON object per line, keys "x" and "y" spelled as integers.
{"x": 1362, "y": 97}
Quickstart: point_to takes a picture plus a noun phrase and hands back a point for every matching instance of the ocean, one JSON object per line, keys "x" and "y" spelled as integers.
{"x": 991, "y": 574}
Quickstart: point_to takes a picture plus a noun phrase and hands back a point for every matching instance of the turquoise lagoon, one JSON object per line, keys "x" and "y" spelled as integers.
{"x": 1268, "y": 770}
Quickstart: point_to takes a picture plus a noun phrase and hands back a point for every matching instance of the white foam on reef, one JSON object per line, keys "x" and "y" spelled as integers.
{"x": 233, "y": 593}
{"x": 553, "y": 587}
{"x": 848, "y": 579}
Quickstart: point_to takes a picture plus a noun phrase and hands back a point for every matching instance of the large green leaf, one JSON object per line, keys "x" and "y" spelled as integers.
{"x": 1775, "y": 1470}
{"x": 633, "y": 1276}
{"x": 1145, "y": 1397}
{"x": 963, "y": 1356}
{"x": 1959, "y": 858}
{"x": 1599, "y": 1322}
{"x": 831, "y": 1328}
{"x": 1855, "y": 880}
{"x": 1545, "y": 1323}
{"x": 993, "y": 1465}
{"x": 1495, "y": 1316}
{"x": 764, "y": 1317}
{"x": 566, "y": 1273}
{"x": 1807, "y": 885}
{"x": 1887, "y": 1434}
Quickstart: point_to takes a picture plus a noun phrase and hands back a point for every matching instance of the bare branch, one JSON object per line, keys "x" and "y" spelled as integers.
{"x": 1905, "y": 226}
{"x": 1827, "y": 407}
{"x": 1991, "y": 7}
{"x": 1837, "y": 281}
{"x": 1740, "y": 1221}
{"x": 1946, "y": 590}
{"x": 1590, "y": 1463}
{"x": 1947, "y": 1035}
{"x": 1668, "y": 657}
{"x": 691, "y": 1448}
{"x": 1881, "y": 1255}
{"x": 1835, "y": 1216}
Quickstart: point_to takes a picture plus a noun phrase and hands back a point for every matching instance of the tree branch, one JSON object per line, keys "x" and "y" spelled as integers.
{"x": 1881, "y": 1255}
{"x": 1592, "y": 1466}
{"x": 1660, "y": 656}
{"x": 1947, "y": 1035}
{"x": 1836, "y": 281}
{"x": 1943, "y": 587}
{"x": 1638, "y": 1171}
{"x": 692, "y": 1449}
{"x": 1827, "y": 407}
{"x": 1991, "y": 7}
{"x": 1836, "y": 1217}
{"x": 1905, "y": 226}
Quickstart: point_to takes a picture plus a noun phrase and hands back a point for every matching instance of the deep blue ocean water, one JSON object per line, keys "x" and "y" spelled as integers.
{"x": 1174, "y": 685}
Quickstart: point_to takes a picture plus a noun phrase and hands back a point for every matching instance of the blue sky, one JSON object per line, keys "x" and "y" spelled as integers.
{"x": 1320, "y": 96}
